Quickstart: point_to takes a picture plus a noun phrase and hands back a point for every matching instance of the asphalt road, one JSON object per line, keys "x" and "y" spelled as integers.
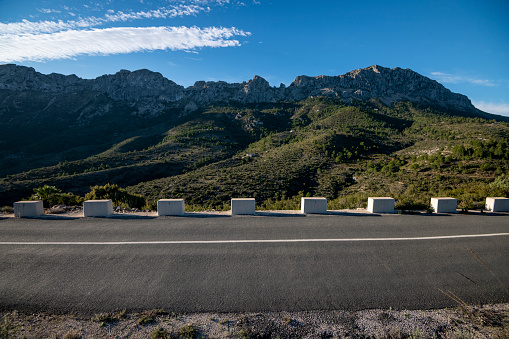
{"x": 253, "y": 263}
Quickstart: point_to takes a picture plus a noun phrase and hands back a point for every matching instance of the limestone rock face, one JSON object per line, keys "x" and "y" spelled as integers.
{"x": 259, "y": 90}
{"x": 388, "y": 85}
{"x": 132, "y": 86}
{"x": 150, "y": 93}
{"x": 20, "y": 78}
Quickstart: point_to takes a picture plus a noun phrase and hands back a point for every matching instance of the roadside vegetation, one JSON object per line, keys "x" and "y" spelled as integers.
{"x": 280, "y": 152}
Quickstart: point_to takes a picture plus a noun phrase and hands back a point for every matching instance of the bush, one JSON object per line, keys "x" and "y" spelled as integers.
{"x": 501, "y": 183}
{"x": 188, "y": 331}
{"x": 351, "y": 201}
{"x": 50, "y": 195}
{"x": 119, "y": 196}
{"x": 69, "y": 199}
{"x": 159, "y": 333}
{"x": 7, "y": 209}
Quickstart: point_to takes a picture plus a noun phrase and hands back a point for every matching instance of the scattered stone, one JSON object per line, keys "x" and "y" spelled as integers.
{"x": 60, "y": 209}
{"x": 488, "y": 321}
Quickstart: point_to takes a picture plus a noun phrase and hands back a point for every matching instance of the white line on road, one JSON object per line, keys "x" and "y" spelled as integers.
{"x": 249, "y": 241}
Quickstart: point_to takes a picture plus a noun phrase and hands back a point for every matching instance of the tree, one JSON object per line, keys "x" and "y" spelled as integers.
{"x": 48, "y": 194}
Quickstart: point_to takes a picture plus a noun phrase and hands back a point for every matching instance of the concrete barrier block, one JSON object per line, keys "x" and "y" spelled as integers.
{"x": 23, "y": 209}
{"x": 170, "y": 207}
{"x": 498, "y": 204}
{"x": 243, "y": 206}
{"x": 313, "y": 205}
{"x": 444, "y": 205}
{"x": 381, "y": 205}
{"x": 97, "y": 208}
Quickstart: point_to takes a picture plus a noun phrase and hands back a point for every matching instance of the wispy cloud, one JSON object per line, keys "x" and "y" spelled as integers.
{"x": 117, "y": 40}
{"x": 456, "y": 79}
{"x": 57, "y": 39}
{"x": 48, "y": 10}
{"x": 30, "y": 27}
{"x": 491, "y": 107}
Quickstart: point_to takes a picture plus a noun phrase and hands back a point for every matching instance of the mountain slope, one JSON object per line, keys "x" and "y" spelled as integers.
{"x": 215, "y": 140}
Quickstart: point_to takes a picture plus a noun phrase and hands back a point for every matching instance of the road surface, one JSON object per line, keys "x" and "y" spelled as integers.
{"x": 271, "y": 262}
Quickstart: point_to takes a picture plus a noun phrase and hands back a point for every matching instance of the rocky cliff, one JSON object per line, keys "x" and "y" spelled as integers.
{"x": 388, "y": 85}
{"x": 150, "y": 92}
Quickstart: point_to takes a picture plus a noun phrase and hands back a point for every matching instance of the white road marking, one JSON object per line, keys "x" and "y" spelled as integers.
{"x": 248, "y": 241}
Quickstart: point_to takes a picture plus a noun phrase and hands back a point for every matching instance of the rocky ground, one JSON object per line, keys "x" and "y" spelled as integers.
{"x": 488, "y": 321}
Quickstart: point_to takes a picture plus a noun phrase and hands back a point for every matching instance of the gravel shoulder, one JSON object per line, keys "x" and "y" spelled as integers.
{"x": 488, "y": 321}
{"x": 77, "y": 212}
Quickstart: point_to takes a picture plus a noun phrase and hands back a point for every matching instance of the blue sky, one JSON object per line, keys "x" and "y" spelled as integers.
{"x": 463, "y": 44}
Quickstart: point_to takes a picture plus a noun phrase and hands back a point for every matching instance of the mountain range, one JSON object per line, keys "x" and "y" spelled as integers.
{"x": 152, "y": 93}
{"x": 135, "y": 127}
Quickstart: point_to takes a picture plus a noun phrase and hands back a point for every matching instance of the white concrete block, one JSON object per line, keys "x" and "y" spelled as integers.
{"x": 171, "y": 207}
{"x": 381, "y": 205}
{"x": 313, "y": 205}
{"x": 444, "y": 205}
{"x": 498, "y": 204}
{"x": 97, "y": 208}
{"x": 243, "y": 206}
{"x": 24, "y": 209}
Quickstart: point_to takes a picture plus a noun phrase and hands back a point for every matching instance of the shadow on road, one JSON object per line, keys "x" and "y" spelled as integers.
{"x": 129, "y": 216}
{"x": 488, "y": 214}
{"x": 354, "y": 214}
{"x": 278, "y": 214}
{"x": 57, "y": 217}
{"x": 196, "y": 215}
{"x": 49, "y": 217}
{"x": 431, "y": 214}
{"x": 471, "y": 213}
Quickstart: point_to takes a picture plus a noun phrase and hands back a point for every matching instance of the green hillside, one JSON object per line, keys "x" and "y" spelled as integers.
{"x": 279, "y": 152}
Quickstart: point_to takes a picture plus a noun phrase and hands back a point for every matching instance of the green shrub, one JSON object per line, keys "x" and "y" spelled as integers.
{"x": 351, "y": 201}
{"x": 159, "y": 333}
{"x": 7, "y": 209}
{"x": 501, "y": 183}
{"x": 108, "y": 317}
{"x": 119, "y": 196}
{"x": 9, "y": 326}
{"x": 69, "y": 199}
{"x": 50, "y": 195}
{"x": 188, "y": 331}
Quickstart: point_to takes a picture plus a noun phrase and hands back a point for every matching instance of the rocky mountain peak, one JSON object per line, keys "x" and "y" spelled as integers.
{"x": 256, "y": 84}
{"x": 21, "y": 78}
{"x": 152, "y": 90}
{"x": 388, "y": 85}
{"x": 131, "y": 86}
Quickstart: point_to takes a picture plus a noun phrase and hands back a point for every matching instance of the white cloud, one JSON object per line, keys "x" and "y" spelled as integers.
{"x": 491, "y": 107}
{"x": 58, "y": 39}
{"x": 455, "y": 79}
{"x": 158, "y": 14}
{"x": 71, "y": 43}
{"x": 30, "y": 27}
{"x": 210, "y": 2}
{"x": 49, "y": 11}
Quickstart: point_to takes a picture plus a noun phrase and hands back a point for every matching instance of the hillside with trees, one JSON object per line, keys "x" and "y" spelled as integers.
{"x": 278, "y": 152}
